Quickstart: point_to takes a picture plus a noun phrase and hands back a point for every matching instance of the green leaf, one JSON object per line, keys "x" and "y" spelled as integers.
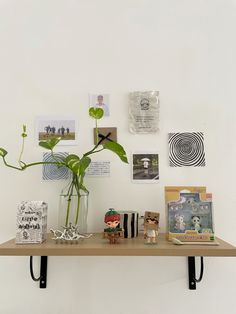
{"x": 73, "y": 163}
{"x": 96, "y": 113}
{"x": 117, "y": 149}
{"x": 45, "y": 145}
{"x": 71, "y": 158}
{"x": 77, "y": 165}
{"x": 3, "y": 152}
{"x": 84, "y": 163}
{"x": 50, "y": 143}
{"x": 24, "y": 131}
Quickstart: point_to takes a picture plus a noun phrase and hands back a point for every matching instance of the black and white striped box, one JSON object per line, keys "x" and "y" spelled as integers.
{"x": 129, "y": 222}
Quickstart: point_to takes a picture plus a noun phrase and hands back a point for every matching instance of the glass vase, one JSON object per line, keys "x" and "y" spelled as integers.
{"x": 73, "y": 210}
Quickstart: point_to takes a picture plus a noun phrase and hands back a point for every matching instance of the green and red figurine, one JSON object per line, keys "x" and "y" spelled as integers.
{"x": 112, "y": 220}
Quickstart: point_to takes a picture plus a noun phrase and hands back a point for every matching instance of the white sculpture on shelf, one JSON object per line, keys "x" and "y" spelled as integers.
{"x": 69, "y": 235}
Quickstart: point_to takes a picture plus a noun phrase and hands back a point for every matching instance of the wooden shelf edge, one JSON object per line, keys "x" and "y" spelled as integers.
{"x": 96, "y": 246}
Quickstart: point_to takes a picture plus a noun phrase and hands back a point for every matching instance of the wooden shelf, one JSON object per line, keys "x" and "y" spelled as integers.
{"x": 96, "y": 246}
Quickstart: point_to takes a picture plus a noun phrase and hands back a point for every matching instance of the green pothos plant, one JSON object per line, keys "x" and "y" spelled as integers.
{"x": 77, "y": 165}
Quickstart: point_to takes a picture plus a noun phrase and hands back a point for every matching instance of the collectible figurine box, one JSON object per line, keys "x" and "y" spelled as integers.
{"x": 189, "y": 212}
{"x": 31, "y": 225}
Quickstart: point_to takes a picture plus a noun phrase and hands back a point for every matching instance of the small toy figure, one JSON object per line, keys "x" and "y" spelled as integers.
{"x": 151, "y": 225}
{"x": 179, "y": 223}
{"x": 112, "y": 232}
{"x": 196, "y": 223}
{"x": 193, "y": 204}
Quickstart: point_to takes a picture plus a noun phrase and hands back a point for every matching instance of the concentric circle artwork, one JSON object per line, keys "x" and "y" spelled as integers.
{"x": 186, "y": 149}
{"x": 53, "y": 172}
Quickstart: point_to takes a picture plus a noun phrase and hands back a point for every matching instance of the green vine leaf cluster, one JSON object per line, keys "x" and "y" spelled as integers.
{"x": 73, "y": 162}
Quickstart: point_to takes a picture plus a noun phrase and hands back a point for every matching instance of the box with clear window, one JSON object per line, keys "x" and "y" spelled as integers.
{"x": 189, "y": 214}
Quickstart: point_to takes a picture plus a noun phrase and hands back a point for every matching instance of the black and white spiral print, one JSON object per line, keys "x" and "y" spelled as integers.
{"x": 53, "y": 172}
{"x": 186, "y": 149}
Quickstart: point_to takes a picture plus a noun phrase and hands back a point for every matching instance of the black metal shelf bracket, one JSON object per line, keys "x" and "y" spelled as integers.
{"x": 43, "y": 271}
{"x": 192, "y": 272}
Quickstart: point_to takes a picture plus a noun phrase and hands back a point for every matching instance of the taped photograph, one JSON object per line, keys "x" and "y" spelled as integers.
{"x": 47, "y": 127}
{"x": 145, "y": 167}
{"x": 100, "y": 101}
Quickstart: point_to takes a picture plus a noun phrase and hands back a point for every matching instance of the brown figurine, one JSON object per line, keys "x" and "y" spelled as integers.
{"x": 151, "y": 225}
{"x": 112, "y": 232}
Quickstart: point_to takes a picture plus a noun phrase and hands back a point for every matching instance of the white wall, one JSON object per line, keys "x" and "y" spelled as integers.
{"x": 53, "y": 53}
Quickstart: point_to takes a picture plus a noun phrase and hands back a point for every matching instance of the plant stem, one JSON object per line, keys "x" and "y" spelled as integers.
{"x": 22, "y": 150}
{"x": 96, "y": 122}
{"x": 10, "y": 166}
{"x": 77, "y": 186}
{"x": 69, "y": 203}
{"x": 77, "y": 209}
{"x": 44, "y": 163}
{"x": 33, "y": 164}
{"x": 92, "y": 151}
{"x": 68, "y": 211}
